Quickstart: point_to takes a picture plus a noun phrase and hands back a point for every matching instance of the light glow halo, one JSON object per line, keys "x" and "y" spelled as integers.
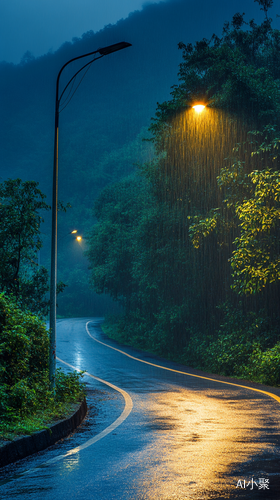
{"x": 199, "y": 107}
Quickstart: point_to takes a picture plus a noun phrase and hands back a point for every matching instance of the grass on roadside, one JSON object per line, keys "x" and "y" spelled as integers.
{"x": 27, "y": 403}
{"x": 40, "y": 407}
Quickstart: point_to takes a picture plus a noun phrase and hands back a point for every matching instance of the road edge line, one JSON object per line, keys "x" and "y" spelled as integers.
{"x": 127, "y": 409}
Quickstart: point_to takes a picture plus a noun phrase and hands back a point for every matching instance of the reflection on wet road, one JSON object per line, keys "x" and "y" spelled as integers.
{"x": 185, "y": 438}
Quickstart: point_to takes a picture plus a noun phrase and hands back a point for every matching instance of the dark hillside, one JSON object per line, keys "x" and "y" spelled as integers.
{"x": 101, "y": 130}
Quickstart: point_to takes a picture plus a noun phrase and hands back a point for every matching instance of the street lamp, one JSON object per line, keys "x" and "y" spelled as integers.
{"x": 199, "y": 107}
{"x": 67, "y": 234}
{"x": 103, "y": 52}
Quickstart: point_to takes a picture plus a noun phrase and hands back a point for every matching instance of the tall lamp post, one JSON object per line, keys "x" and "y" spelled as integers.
{"x": 103, "y": 52}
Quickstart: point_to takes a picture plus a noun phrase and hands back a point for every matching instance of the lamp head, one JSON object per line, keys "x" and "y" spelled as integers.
{"x": 113, "y": 48}
{"x": 199, "y": 107}
{"x": 79, "y": 238}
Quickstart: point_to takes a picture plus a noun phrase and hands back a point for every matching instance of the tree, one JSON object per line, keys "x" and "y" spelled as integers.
{"x": 266, "y": 4}
{"x": 113, "y": 239}
{"x": 230, "y": 209}
{"x": 204, "y": 212}
{"x": 256, "y": 260}
{"x": 21, "y": 204}
{"x": 238, "y": 72}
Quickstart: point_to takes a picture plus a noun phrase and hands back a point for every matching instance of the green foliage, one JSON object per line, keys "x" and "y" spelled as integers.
{"x": 206, "y": 224}
{"x": 24, "y": 343}
{"x": 21, "y": 276}
{"x": 245, "y": 347}
{"x": 21, "y": 204}
{"x": 264, "y": 366}
{"x": 68, "y": 386}
{"x": 21, "y": 398}
{"x": 238, "y": 72}
{"x": 234, "y": 182}
{"x": 256, "y": 260}
{"x": 270, "y": 144}
{"x": 113, "y": 239}
{"x": 30, "y": 405}
{"x": 252, "y": 201}
{"x": 201, "y": 228}
{"x": 24, "y": 382}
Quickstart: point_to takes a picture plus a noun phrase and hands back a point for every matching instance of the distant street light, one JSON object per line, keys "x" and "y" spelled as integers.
{"x": 79, "y": 238}
{"x": 103, "y": 52}
{"x": 67, "y": 234}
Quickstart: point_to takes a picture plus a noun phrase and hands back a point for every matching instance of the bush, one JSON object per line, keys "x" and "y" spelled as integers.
{"x": 22, "y": 398}
{"x": 245, "y": 347}
{"x": 68, "y": 386}
{"x": 24, "y": 343}
{"x": 25, "y": 392}
{"x": 264, "y": 366}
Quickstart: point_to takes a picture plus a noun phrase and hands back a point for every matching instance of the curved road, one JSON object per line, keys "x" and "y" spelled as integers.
{"x": 153, "y": 433}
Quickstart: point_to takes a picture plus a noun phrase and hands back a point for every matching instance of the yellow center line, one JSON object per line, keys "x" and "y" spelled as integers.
{"x": 184, "y": 373}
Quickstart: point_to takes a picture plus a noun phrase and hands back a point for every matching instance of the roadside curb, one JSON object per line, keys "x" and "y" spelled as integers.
{"x": 24, "y": 446}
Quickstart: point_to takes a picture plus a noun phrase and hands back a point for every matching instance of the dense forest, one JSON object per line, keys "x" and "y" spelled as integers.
{"x": 189, "y": 243}
{"x": 183, "y": 241}
{"x": 102, "y": 128}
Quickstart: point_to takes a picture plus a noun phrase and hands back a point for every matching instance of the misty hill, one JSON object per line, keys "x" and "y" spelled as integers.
{"x": 102, "y": 128}
{"x": 117, "y": 98}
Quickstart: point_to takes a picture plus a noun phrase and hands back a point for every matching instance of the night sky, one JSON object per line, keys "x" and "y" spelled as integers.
{"x": 40, "y": 26}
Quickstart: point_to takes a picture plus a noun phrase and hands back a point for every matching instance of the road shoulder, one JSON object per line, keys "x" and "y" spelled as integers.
{"x": 21, "y": 447}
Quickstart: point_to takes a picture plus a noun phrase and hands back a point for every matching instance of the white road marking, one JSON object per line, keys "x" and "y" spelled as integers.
{"x": 110, "y": 428}
{"x": 127, "y": 409}
{"x": 128, "y": 402}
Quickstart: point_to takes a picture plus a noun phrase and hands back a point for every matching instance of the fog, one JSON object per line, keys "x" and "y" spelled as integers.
{"x": 42, "y": 26}
{"x": 101, "y": 130}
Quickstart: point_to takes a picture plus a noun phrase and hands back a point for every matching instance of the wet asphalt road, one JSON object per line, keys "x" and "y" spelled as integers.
{"x": 185, "y": 437}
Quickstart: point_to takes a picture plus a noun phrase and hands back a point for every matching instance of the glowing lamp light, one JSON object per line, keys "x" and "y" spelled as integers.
{"x": 75, "y": 231}
{"x": 199, "y": 107}
{"x": 79, "y": 238}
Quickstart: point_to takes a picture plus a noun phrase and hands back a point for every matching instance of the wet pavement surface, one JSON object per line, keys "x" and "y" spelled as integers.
{"x": 185, "y": 438}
